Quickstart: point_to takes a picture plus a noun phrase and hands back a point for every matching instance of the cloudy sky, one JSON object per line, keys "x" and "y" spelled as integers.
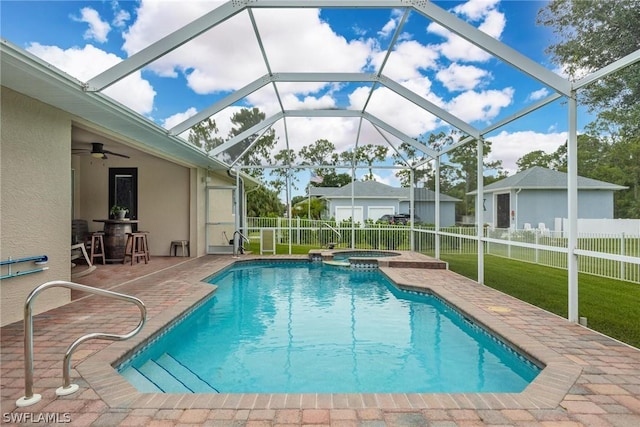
{"x": 84, "y": 38}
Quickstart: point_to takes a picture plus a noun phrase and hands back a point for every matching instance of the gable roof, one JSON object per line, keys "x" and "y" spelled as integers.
{"x": 377, "y": 190}
{"x": 539, "y": 178}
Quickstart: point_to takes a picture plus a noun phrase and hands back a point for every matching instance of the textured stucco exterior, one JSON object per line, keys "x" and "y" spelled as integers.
{"x": 35, "y": 200}
{"x": 44, "y": 186}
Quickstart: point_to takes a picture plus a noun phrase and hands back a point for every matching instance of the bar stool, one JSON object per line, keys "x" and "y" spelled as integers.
{"x": 97, "y": 247}
{"x": 183, "y": 244}
{"x": 136, "y": 248}
{"x": 146, "y": 243}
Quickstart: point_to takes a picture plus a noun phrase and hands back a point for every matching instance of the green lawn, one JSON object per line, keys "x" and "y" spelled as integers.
{"x": 611, "y": 306}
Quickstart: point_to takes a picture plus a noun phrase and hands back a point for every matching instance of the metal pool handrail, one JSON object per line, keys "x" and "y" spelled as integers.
{"x": 242, "y": 237}
{"x": 67, "y": 388}
{"x": 324, "y": 224}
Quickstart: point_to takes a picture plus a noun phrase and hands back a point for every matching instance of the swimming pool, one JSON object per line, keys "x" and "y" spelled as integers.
{"x": 301, "y": 327}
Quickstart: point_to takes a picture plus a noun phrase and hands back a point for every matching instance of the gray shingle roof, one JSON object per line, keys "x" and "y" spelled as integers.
{"x": 541, "y": 178}
{"x": 377, "y": 190}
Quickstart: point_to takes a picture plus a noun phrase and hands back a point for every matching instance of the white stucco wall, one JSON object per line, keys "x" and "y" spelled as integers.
{"x": 35, "y": 200}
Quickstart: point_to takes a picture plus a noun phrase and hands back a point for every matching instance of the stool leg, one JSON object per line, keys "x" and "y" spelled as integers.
{"x": 93, "y": 248}
{"x": 128, "y": 249}
{"x": 146, "y": 247}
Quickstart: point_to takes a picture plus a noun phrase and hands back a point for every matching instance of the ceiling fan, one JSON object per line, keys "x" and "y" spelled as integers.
{"x": 98, "y": 151}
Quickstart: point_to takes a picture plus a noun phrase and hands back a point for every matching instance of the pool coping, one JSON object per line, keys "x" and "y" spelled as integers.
{"x": 547, "y": 390}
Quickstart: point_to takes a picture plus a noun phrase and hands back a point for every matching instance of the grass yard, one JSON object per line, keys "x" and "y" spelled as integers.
{"x": 612, "y": 307}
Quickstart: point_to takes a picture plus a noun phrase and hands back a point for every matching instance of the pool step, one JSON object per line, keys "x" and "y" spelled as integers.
{"x": 162, "y": 378}
{"x": 337, "y": 263}
{"x": 185, "y": 375}
{"x": 140, "y": 381}
{"x": 166, "y": 374}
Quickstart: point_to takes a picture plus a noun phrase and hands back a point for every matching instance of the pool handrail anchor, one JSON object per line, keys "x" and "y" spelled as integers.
{"x": 67, "y": 388}
{"x": 242, "y": 237}
{"x": 325, "y": 224}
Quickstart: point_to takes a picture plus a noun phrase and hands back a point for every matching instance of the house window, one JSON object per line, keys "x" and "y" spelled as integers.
{"x": 123, "y": 189}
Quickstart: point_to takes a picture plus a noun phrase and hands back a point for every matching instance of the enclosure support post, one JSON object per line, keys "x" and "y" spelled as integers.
{"x": 437, "y": 212}
{"x": 572, "y": 208}
{"x": 480, "y": 212}
{"x": 412, "y": 209}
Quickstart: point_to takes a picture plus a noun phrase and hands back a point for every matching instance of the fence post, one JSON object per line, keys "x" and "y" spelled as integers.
{"x": 509, "y": 244}
{"x": 622, "y": 252}
{"x": 536, "y": 241}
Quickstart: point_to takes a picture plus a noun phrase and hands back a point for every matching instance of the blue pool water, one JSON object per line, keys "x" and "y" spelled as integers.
{"x": 302, "y": 327}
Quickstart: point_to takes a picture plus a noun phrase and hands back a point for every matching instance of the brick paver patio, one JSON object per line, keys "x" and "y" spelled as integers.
{"x": 588, "y": 380}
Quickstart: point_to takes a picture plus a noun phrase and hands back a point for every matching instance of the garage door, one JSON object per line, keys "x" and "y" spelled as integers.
{"x": 376, "y": 212}
{"x": 345, "y": 212}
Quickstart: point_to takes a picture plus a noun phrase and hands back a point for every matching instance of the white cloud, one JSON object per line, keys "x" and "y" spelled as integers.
{"x": 538, "y": 94}
{"x": 178, "y": 118}
{"x": 121, "y": 18}
{"x": 227, "y": 57}
{"x": 98, "y": 29}
{"x": 461, "y": 77}
{"x": 455, "y": 48}
{"x": 396, "y": 110}
{"x": 509, "y": 147}
{"x": 85, "y": 63}
{"x": 388, "y": 28}
{"x": 406, "y": 61}
{"x": 476, "y": 9}
{"x": 483, "y": 106}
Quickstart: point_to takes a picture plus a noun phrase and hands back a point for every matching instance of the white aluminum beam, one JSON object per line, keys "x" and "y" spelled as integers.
{"x": 246, "y": 134}
{"x": 492, "y": 46}
{"x": 480, "y": 209}
{"x": 533, "y": 107}
{"x": 220, "y": 105}
{"x": 625, "y": 61}
{"x": 323, "y": 77}
{"x": 429, "y": 106}
{"x": 400, "y": 135}
{"x": 369, "y": 4}
{"x": 572, "y": 210}
{"x": 165, "y": 45}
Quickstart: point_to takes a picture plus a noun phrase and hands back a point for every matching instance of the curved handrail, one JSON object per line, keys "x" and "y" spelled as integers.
{"x": 67, "y": 388}
{"x": 242, "y": 237}
{"x": 332, "y": 229}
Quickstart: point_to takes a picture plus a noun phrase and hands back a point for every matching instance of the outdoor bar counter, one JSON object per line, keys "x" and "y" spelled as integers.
{"x": 115, "y": 237}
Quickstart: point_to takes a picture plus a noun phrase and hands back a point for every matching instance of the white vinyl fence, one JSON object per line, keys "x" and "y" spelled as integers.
{"x": 616, "y": 256}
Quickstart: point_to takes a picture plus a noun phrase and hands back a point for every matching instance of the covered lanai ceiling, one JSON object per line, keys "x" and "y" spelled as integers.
{"x": 265, "y": 74}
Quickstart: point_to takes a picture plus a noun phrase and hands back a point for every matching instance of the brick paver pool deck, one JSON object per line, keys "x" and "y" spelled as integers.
{"x": 588, "y": 379}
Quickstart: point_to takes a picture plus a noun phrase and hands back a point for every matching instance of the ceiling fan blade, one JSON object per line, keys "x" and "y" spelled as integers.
{"x": 116, "y": 154}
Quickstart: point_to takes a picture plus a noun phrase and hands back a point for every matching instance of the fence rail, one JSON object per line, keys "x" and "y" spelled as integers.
{"x": 615, "y": 256}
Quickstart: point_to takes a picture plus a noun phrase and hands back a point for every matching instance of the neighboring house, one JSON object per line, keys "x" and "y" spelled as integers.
{"x": 372, "y": 200}
{"x": 538, "y": 196}
{"x": 48, "y": 119}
